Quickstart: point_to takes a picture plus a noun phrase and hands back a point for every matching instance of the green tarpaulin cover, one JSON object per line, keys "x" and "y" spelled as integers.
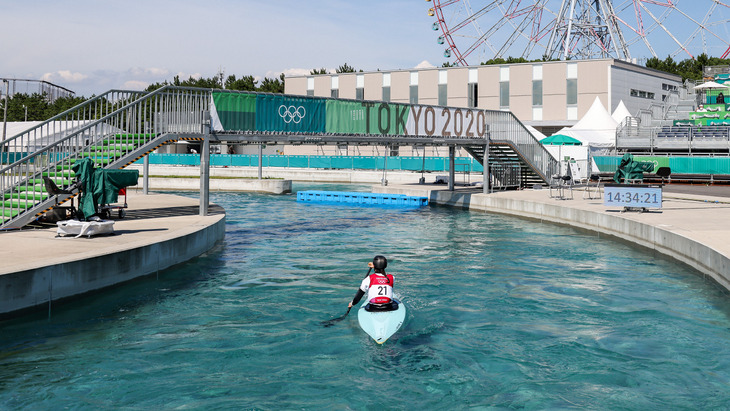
{"x": 100, "y": 186}
{"x": 629, "y": 169}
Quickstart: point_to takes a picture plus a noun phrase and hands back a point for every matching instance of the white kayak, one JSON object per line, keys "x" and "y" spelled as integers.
{"x": 381, "y": 325}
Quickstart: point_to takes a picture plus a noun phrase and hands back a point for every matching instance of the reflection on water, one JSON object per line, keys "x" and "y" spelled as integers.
{"x": 502, "y": 313}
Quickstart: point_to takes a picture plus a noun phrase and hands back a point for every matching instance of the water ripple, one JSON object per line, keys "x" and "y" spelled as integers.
{"x": 502, "y": 313}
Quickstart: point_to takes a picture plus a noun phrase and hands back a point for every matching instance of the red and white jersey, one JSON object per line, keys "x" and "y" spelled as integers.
{"x": 378, "y": 287}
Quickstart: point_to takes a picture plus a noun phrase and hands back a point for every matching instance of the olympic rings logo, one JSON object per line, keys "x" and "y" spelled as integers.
{"x": 291, "y": 113}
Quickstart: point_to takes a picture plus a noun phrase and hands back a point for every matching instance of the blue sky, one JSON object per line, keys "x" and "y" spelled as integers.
{"x": 91, "y": 46}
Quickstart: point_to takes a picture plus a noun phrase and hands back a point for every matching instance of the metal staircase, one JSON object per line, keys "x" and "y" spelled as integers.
{"x": 512, "y": 144}
{"x": 114, "y": 130}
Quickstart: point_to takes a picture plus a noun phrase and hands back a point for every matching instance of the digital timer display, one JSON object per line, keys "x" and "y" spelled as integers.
{"x": 632, "y": 195}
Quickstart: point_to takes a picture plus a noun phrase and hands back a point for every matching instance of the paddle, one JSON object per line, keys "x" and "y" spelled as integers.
{"x": 333, "y": 321}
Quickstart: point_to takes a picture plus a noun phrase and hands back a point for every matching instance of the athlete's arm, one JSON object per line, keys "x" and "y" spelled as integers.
{"x": 358, "y": 297}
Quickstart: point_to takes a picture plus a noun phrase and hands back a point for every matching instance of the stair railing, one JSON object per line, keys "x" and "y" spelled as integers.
{"x": 503, "y": 125}
{"x": 169, "y": 109}
{"x": 65, "y": 124}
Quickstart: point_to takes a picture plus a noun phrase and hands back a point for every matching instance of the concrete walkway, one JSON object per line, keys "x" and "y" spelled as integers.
{"x": 159, "y": 231}
{"x": 691, "y": 227}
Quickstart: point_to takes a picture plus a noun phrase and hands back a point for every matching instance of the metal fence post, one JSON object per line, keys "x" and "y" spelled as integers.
{"x": 205, "y": 166}
{"x": 452, "y": 154}
{"x": 146, "y": 174}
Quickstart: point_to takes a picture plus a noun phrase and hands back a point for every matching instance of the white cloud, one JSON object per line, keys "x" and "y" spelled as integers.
{"x": 64, "y": 76}
{"x": 424, "y": 64}
{"x": 135, "y": 85}
{"x": 149, "y": 71}
{"x": 184, "y": 76}
{"x": 290, "y": 72}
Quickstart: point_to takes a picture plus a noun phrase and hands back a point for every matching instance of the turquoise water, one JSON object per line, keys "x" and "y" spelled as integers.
{"x": 503, "y": 313}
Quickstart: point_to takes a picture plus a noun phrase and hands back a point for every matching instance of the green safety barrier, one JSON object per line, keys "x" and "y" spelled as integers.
{"x": 467, "y": 164}
{"x": 678, "y": 164}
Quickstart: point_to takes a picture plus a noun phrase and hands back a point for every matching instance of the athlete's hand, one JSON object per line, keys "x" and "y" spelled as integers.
{"x": 370, "y": 264}
{"x": 349, "y": 305}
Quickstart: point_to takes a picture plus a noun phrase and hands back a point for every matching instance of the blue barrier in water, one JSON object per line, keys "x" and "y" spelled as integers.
{"x": 316, "y": 196}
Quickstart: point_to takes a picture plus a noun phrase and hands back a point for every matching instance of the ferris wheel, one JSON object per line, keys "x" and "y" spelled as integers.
{"x": 473, "y": 31}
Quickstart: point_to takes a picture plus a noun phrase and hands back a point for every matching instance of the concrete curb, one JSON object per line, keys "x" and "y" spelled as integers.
{"x": 41, "y": 269}
{"x": 299, "y": 174}
{"x": 216, "y": 184}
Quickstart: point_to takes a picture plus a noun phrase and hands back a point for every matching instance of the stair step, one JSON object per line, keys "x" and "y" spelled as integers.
{"x": 27, "y": 195}
{"x": 18, "y": 204}
{"x": 59, "y": 182}
{"x": 130, "y": 140}
{"x": 36, "y": 188}
{"x": 9, "y": 213}
{"x": 96, "y": 160}
{"x": 121, "y": 146}
{"x": 136, "y": 135}
{"x": 101, "y": 154}
{"x": 63, "y": 174}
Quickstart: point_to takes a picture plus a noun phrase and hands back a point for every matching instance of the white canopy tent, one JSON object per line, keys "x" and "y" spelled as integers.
{"x": 621, "y": 112}
{"x": 535, "y": 132}
{"x": 597, "y": 131}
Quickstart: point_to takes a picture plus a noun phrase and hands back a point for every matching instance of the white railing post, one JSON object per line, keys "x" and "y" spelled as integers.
{"x": 205, "y": 166}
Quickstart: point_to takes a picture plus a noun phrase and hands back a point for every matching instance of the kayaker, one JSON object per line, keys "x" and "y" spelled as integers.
{"x": 378, "y": 286}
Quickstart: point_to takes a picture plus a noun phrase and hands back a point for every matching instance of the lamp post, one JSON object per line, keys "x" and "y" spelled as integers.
{"x": 26, "y": 112}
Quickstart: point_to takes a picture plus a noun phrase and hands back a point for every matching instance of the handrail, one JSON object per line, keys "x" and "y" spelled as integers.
{"x": 69, "y": 111}
{"x": 513, "y": 130}
{"x": 66, "y": 138}
{"x": 131, "y": 121}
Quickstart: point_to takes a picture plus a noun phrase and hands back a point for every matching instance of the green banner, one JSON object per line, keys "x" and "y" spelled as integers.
{"x": 242, "y": 111}
{"x": 354, "y": 117}
{"x": 345, "y": 117}
{"x": 234, "y": 111}
{"x": 657, "y": 161}
{"x": 290, "y": 114}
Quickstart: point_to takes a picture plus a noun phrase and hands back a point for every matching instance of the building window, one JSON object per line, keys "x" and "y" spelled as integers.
{"x": 504, "y": 87}
{"x": 335, "y": 87}
{"x": 571, "y": 86}
{"x": 537, "y": 92}
{"x": 360, "y": 87}
{"x": 504, "y": 94}
{"x": 537, "y": 85}
{"x": 472, "y": 88}
{"x": 642, "y": 94}
{"x": 573, "y": 113}
{"x": 414, "y": 88}
{"x": 473, "y": 94}
{"x": 386, "y": 86}
{"x": 310, "y": 86}
{"x": 443, "y": 81}
{"x": 572, "y": 91}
